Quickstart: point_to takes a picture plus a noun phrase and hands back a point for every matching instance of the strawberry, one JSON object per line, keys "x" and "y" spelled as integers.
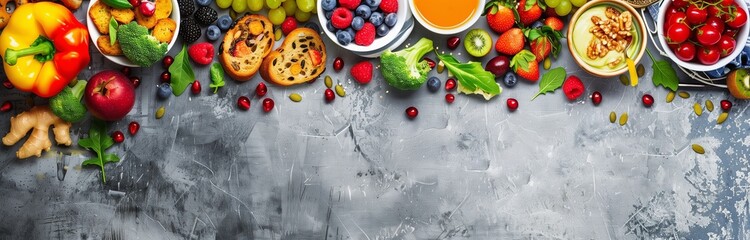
{"x": 389, "y": 6}
{"x": 288, "y": 25}
{"x": 528, "y": 11}
{"x": 362, "y": 72}
{"x": 543, "y": 41}
{"x": 500, "y": 17}
{"x": 541, "y": 48}
{"x": 555, "y": 23}
{"x": 316, "y": 57}
{"x": 525, "y": 65}
{"x": 201, "y": 53}
{"x": 510, "y": 42}
{"x": 573, "y": 87}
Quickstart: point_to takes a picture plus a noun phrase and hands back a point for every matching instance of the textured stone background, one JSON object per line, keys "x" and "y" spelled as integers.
{"x": 358, "y": 169}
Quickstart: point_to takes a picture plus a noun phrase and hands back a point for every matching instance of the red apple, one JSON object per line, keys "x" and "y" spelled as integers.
{"x": 109, "y": 95}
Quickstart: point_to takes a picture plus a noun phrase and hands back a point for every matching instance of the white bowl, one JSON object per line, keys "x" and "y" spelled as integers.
{"x": 739, "y": 47}
{"x": 463, "y": 27}
{"x": 122, "y": 60}
{"x": 393, "y": 39}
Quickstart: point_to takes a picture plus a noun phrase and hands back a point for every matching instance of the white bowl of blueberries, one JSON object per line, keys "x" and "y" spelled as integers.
{"x": 366, "y": 27}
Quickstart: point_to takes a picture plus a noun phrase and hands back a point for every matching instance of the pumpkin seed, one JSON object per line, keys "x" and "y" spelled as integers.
{"x": 547, "y": 63}
{"x": 440, "y": 67}
{"x": 698, "y": 149}
{"x": 624, "y": 80}
{"x": 670, "y": 96}
{"x": 684, "y": 94}
{"x": 722, "y": 117}
{"x": 160, "y": 112}
{"x": 340, "y": 90}
{"x": 328, "y": 81}
{"x": 612, "y": 117}
{"x": 295, "y": 97}
{"x": 697, "y": 109}
{"x": 623, "y": 119}
{"x": 709, "y": 105}
{"x": 640, "y": 70}
{"x": 278, "y": 34}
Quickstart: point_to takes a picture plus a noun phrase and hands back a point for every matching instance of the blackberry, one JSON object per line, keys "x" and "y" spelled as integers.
{"x": 189, "y": 30}
{"x": 205, "y": 16}
{"x": 187, "y": 7}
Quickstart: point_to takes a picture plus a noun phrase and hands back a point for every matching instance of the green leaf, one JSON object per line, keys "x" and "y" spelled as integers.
{"x": 551, "y": 81}
{"x": 110, "y": 158}
{"x": 91, "y": 161}
{"x": 98, "y": 141}
{"x": 182, "y": 72}
{"x": 529, "y": 4}
{"x": 217, "y": 77}
{"x": 112, "y": 31}
{"x": 472, "y": 77}
{"x": 664, "y": 74}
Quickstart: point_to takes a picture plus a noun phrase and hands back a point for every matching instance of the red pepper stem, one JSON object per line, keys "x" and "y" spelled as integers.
{"x": 42, "y": 50}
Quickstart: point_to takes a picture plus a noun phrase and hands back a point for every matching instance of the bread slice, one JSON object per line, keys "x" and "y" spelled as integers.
{"x": 123, "y": 16}
{"x": 143, "y": 20}
{"x": 106, "y": 48}
{"x": 300, "y": 58}
{"x": 163, "y": 9}
{"x": 100, "y": 15}
{"x": 245, "y": 45}
{"x": 164, "y": 30}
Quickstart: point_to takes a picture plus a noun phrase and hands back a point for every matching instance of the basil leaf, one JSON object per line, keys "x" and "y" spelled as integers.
{"x": 182, "y": 72}
{"x": 472, "y": 78}
{"x": 112, "y": 31}
{"x": 664, "y": 74}
{"x": 217, "y": 77}
{"x": 551, "y": 81}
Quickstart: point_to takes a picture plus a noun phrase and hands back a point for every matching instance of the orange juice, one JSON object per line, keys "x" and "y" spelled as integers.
{"x": 446, "y": 14}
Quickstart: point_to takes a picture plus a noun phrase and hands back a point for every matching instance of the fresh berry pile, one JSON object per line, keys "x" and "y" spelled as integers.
{"x": 360, "y": 21}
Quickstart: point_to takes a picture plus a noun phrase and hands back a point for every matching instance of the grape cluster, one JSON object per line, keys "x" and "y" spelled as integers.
{"x": 278, "y": 10}
{"x": 563, "y": 7}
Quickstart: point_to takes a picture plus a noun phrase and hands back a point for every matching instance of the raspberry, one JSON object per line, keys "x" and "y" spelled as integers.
{"x": 366, "y": 35}
{"x": 573, "y": 87}
{"x": 389, "y": 6}
{"x": 201, "y": 53}
{"x": 341, "y": 18}
{"x": 288, "y": 25}
{"x": 350, "y": 4}
{"x": 362, "y": 72}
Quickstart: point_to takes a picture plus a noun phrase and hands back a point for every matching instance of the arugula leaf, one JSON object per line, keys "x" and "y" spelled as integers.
{"x": 182, "y": 72}
{"x": 112, "y": 31}
{"x": 551, "y": 81}
{"x": 664, "y": 74}
{"x": 98, "y": 141}
{"x": 217, "y": 77}
{"x": 472, "y": 78}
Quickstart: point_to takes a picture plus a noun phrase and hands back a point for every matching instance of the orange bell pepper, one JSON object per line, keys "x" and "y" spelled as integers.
{"x": 43, "y": 47}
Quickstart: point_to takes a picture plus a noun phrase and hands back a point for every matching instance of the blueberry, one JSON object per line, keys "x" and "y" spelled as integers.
{"x": 163, "y": 91}
{"x": 391, "y": 19}
{"x": 376, "y": 18}
{"x": 344, "y": 37}
{"x": 350, "y": 31}
{"x": 328, "y": 14}
{"x": 537, "y": 24}
{"x": 203, "y": 2}
{"x": 328, "y": 5}
{"x": 363, "y": 11}
{"x": 433, "y": 84}
{"x": 224, "y": 22}
{"x": 330, "y": 27}
{"x": 357, "y": 23}
{"x": 510, "y": 79}
{"x": 313, "y": 26}
{"x": 382, "y": 30}
{"x": 373, "y": 3}
{"x": 213, "y": 33}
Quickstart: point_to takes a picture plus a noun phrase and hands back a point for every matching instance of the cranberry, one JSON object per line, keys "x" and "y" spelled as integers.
{"x": 726, "y": 105}
{"x": 338, "y": 64}
{"x": 147, "y": 8}
{"x": 329, "y": 95}
{"x": 135, "y": 3}
{"x": 453, "y": 42}
{"x": 411, "y": 112}
{"x": 133, "y": 128}
{"x": 136, "y": 81}
{"x": 596, "y": 97}
{"x": 196, "y": 87}
{"x": 167, "y": 61}
{"x": 126, "y": 71}
{"x": 7, "y": 84}
{"x": 450, "y": 98}
{"x": 512, "y": 104}
{"x": 244, "y": 103}
{"x": 450, "y": 84}
{"x": 430, "y": 62}
{"x": 267, "y": 104}
{"x": 261, "y": 89}
{"x": 6, "y": 106}
{"x": 166, "y": 77}
{"x": 118, "y": 137}
{"x": 647, "y": 100}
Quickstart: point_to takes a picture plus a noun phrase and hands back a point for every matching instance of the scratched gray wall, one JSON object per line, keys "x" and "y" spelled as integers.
{"x": 358, "y": 169}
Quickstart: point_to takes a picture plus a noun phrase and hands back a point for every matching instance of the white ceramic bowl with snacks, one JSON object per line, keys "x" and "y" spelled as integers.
{"x": 122, "y": 60}
{"x": 395, "y": 37}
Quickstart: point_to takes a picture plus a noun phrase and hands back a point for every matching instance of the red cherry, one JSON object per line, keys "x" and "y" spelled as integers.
{"x": 449, "y": 98}
{"x": 647, "y": 100}
{"x": 7, "y": 84}
{"x": 166, "y": 77}
{"x": 147, "y": 8}
{"x": 196, "y": 87}
{"x": 167, "y": 61}
{"x": 453, "y": 42}
{"x": 329, "y": 95}
{"x": 512, "y": 104}
{"x": 261, "y": 89}
{"x": 136, "y": 81}
{"x": 450, "y": 84}
{"x": 596, "y": 97}
{"x": 6, "y": 106}
{"x": 133, "y": 128}
{"x": 126, "y": 71}
{"x": 726, "y": 105}
{"x": 118, "y": 137}
{"x": 244, "y": 103}
{"x": 412, "y": 112}
{"x": 430, "y": 62}
{"x": 267, "y": 105}
{"x": 135, "y": 3}
{"x": 338, "y": 64}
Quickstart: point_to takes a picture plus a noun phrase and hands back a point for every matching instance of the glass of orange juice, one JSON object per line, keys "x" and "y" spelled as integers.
{"x": 447, "y": 16}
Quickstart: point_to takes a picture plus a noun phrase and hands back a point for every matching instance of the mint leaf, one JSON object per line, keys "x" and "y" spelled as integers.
{"x": 98, "y": 141}
{"x": 551, "y": 81}
{"x": 217, "y": 77}
{"x": 182, "y": 72}
{"x": 472, "y": 78}
{"x": 664, "y": 74}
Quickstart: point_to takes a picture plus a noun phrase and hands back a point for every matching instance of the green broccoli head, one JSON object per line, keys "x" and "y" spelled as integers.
{"x": 139, "y": 46}
{"x": 67, "y": 104}
{"x": 405, "y": 69}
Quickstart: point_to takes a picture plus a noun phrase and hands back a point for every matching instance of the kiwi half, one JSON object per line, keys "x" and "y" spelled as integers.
{"x": 738, "y": 83}
{"x": 478, "y": 42}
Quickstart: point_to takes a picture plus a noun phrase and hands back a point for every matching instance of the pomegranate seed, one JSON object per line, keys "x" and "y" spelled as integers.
{"x": 118, "y": 137}
{"x": 261, "y": 89}
{"x": 7, "y": 84}
{"x": 329, "y": 95}
{"x": 512, "y": 104}
{"x": 450, "y": 98}
{"x": 647, "y": 100}
{"x": 166, "y": 77}
{"x": 244, "y": 103}
{"x": 6, "y": 106}
{"x": 726, "y": 105}
{"x": 133, "y": 128}
{"x": 136, "y": 81}
{"x": 167, "y": 61}
{"x": 338, "y": 64}
{"x": 453, "y": 42}
{"x": 196, "y": 87}
{"x": 450, "y": 84}
{"x": 596, "y": 97}
{"x": 126, "y": 71}
{"x": 412, "y": 112}
{"x": 267, "y": 104}
{"x": 430, "y": 62}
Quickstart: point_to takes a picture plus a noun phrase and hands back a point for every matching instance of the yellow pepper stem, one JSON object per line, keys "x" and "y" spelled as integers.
{"x": 41, "y": 48}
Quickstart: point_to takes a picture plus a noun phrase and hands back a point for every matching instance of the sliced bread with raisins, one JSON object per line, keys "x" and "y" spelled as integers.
{"x": 245, "y": 45}
{"x": 300, "y": 58}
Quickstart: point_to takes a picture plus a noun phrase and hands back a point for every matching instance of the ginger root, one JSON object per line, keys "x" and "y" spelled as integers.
{"x": 40, "y": 118}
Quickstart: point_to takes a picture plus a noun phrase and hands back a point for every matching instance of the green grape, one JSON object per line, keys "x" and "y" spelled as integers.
{"x": 302, "y": 16}
{"x": 577, "y": 3}
{"x": 563, "y": 8}
{"x": 239, "y": 5}
{"x": 276, "y": 16}
{"x": 273, "y": 4}
{"x": 223, "y": 4}
{"x": 255, "y": 5}
{"x": 552, "y": 3}
{"x": 290, "y": 7}
{"x": 305, "y": 5}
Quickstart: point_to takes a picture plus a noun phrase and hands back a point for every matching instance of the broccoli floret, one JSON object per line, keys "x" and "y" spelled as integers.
{"x": 405, "y": 69}
{"x": 67, "y": 104}
{"x": 138, "y": 45}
